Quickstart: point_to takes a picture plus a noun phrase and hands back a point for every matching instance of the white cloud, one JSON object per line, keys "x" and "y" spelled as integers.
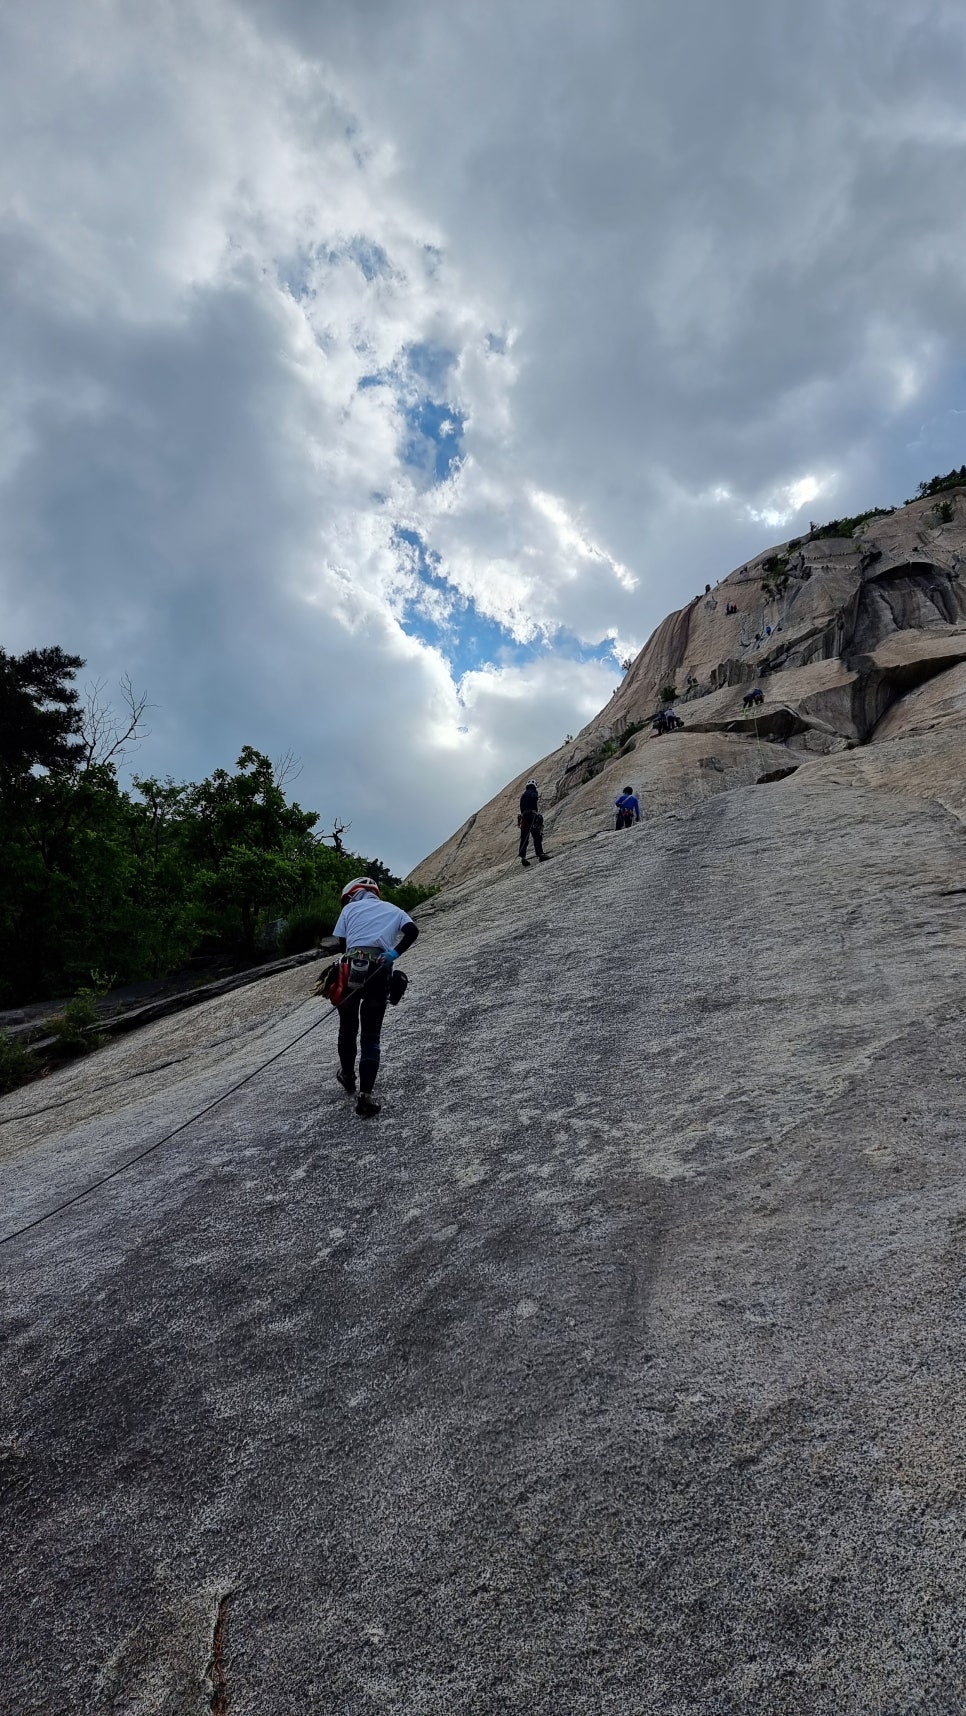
{"x": 638, "y": 287}
{"x": 785, "y": 502}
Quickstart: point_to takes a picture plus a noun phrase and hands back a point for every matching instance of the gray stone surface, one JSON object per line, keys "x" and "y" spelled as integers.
{"x": 615, "y": 1368}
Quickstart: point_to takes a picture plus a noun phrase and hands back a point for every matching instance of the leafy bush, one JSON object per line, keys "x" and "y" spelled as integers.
{"x": 74, "y": 1028}
{"x": 16, "y": 1066}
{"x": 935, "y": 485}
{"x": 306, "y": 928}
{"x": 303, "y": 930}
{"x": 668, "y": 694}
{"x": 848, "y": 526}
{"x": 313, "y": 921}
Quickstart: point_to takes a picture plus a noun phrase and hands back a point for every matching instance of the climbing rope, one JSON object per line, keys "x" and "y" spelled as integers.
{"x": 182, "y": 1127}
{"x": 761, "y": 754}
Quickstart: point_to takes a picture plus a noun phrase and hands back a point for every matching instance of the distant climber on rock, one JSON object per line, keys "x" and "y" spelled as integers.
{"x": 751, "y": 698}
{"x": 373, "y": 933}
{"x": 530, "y": 823}
{"x": 628, "y": 809}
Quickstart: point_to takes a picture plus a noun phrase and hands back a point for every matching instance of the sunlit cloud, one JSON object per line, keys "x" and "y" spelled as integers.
{"x": 357, "y": 409}
{"x": 787, "y": 501}
{"x": 574, "y": 540}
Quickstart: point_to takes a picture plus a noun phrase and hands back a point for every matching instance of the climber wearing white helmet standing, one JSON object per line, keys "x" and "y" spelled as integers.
{"x": 530, "y": 824}
{"x": 373, "y": 934}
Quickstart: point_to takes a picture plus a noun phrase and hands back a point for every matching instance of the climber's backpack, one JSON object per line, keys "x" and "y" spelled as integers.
{"x": 398, "y": 984}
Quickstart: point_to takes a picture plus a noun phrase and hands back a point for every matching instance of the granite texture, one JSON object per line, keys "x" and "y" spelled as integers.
{"x": 615, "y": 1369}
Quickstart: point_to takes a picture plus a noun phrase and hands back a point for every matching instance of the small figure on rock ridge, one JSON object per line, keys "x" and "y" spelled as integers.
{"x": 628, "y": 809}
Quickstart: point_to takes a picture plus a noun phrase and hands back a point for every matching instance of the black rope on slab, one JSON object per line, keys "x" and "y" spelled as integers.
{"x": 133, "y": 1160}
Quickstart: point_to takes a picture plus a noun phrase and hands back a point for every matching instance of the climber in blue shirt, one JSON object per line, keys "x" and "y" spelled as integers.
{"x": 628, "y": 809}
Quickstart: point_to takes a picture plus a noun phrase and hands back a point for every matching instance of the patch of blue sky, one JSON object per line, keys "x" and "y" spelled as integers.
{"x": 296, "y": 277}
{"x": 467, "y": 638}
{"x": 299, "y": 273}
{"x": 434, "y": 444}
{"x": 432, "y": 441}
{"x": 429, "y": 361}
{"x": 369, "y": 257}
{"x": 438, "y": 614}
{"x": 471, "y": 640}
{"x": 424, "y": 560}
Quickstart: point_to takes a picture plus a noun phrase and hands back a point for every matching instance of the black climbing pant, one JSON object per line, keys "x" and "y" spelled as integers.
{"x": 361, "y": 1015}
{"x": 527, "y": 829}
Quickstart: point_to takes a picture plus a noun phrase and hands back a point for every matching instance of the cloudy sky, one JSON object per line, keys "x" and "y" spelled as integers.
{"x": 378, "y": 374}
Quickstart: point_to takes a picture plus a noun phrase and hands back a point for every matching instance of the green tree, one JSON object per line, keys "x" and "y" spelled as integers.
{"x": 65, "y": 860}
{"x": 65, "y": 869}
{"x": 253, "y": 853}
{"x": 40, "y": 717}
{"x": 95, "y": 879}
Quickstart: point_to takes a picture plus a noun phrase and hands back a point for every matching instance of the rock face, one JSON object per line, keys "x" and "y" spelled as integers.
{"x": 842, "y": 635}
{"x": 615, "y": 1369}
{"x": 617, "y": 1366}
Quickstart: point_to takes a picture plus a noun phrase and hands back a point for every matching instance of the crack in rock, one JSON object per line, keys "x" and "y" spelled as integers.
{"x": 173, "y": 1663}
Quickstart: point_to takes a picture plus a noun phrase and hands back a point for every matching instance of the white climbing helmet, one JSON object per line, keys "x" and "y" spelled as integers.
{"x": 360, "y": 884}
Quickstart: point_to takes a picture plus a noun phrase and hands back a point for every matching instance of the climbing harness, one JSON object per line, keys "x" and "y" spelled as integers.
{"x": 350, "y": 973}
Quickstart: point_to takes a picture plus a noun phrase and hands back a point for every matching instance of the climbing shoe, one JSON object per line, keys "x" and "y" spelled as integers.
{"x": 366, "y": 1105}
{"x": 544, "y": 856}
{"x": 347, "y": 1081}
{"x": 525, "y": 862}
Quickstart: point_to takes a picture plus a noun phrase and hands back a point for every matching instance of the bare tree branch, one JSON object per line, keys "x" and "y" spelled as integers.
{"x": 108, "y": 734}
{"x": 288, "y": 767}
{"x": 338, "y": 829}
